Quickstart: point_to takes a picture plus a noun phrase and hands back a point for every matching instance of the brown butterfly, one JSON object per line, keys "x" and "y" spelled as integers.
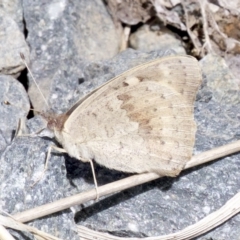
{"x": 140, "y": 121}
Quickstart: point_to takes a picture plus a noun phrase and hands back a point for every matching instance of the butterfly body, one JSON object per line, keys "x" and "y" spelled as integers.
{"x": 140, "y": 121}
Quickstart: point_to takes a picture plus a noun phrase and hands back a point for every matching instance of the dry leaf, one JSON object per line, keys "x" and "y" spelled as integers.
{"x": 168, "y": 16}
{"x": 130, "y": 11}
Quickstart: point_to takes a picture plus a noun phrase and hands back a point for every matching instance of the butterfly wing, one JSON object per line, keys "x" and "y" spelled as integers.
{"x": 141, "y": 120}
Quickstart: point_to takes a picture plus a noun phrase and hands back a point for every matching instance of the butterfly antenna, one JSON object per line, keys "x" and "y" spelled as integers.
{"x": 30, "y": 72}
{"x": 8, "y": 103}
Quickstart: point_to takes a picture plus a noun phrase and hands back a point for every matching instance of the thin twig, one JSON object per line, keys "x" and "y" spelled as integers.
{"x": 11, "y": 223}
{"x": 207, "y": 43}
{"x": 120, "y": 185}
{"x": 4, "y": 234}
{"x": 125, "y": 38}
{"x": 190, "y": 33}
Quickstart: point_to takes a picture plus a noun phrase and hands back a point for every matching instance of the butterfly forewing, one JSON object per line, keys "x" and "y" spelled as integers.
{"x": 140, "y": 121}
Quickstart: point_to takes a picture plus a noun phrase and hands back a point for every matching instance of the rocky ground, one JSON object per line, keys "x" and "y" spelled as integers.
{"x": 72, "y": 47}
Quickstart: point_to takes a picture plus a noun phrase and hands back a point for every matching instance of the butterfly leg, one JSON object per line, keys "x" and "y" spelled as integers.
{"x": 47, "y": 159}
{"x": 94, "y": 178}
{"x": 20, "y": 128}
{"x": 64, "y": 151}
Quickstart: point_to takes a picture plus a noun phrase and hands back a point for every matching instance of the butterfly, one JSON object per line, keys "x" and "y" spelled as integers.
{"x": 140, "y": 121}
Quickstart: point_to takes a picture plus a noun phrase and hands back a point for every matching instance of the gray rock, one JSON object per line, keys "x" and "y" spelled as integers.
{"x": 160, "y": 207}
{"x": 12, "y": 43}
{"x": 95, "y": 36}
{"x": 14, "y": 105}
{"x": 24, "y": 159}
{"x": 147, "y": 38}
{"x": 14, "y": 9}
{"x": 157, "y": 208}
{"x": 64, "y": 36}
{"x": 221, "y": 81}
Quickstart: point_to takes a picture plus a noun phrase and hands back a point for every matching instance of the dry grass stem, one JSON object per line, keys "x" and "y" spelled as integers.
{"x": 190, "y": 33}
{"x": 213, "y": 154}
{"x": 207, "y": 43}
{"x": 125, "y": 38}
{"x": 11, "y": 223}
{"x": 4, "y": 234}
{"x": 120, "y": 185}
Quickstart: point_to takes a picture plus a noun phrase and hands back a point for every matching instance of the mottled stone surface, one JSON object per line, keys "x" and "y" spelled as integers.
{"x": 150, "y": 37}
{"x": 14, "y": 9}
{"x": 161, "y": 207}
{"x": 14, "y": 105}
{"x": 12, "y": 43}
{"x": 64, "y": 36}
